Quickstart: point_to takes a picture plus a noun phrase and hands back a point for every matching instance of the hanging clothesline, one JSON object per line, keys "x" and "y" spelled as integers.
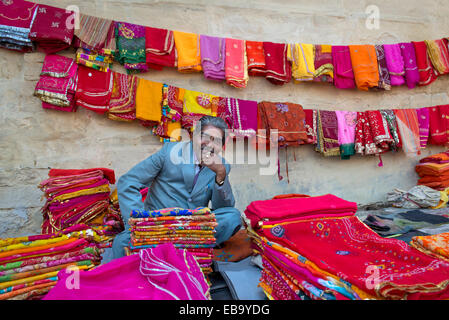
{"x": 25, "y": 26}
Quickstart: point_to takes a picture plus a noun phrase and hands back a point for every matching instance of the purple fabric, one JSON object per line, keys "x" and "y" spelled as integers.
{"x": 395, "y": 64}
{"x": 411, "y": 68}
{"x": 343, "y": 73}
{"x": 160, "y": 273}
{"x": 424, "y": 125}
{"x": 213, "y": 55}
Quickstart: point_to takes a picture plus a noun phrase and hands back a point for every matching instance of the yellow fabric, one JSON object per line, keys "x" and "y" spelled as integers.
{"x": 36, "y": 243}
{"x": 148, "y": 100}
{"x": 198, "y": 102}
{"x": 35, "y": 278}
{"x": 443, "y": 200}
{"x": 302, "y": 57}
{"x": 100, "y": 189}
{"x": 188, "y": 50}
{"x": 171, "y": 127}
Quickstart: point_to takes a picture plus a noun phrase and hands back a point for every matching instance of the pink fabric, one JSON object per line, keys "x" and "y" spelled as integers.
{"x": 395, "y": 64}
{"x": 161, "y": 273}
{"x": 343, "y": 73}
{"x": 346, "y": 126}
{"x": 291, "y": 208}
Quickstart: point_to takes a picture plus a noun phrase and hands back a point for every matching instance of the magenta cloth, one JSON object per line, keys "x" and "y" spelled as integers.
{"x": 57, "y": 83}
{"x": 160, "y": 273}
{"x": 213, "y": 55}
{"x": 410, "y": 64}
{"x": 15, "y": 22}
{"x": 395, "y": 64}
{"x": 424, "y": 125}
{"x": 52, "y": 28}
{"x": 243, "y": 115}
{"x": 343, "y": 73}
{"x": 290, "y": 208}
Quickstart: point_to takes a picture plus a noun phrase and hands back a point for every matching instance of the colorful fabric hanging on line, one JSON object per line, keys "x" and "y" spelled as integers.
{"x": 213, "y": 57}
{"x": 243, "y": 117}
{"x": 122, "y": 105}
{"x": 347, "y": 121}
{"x": 236, "y": 65}
{"x": 189, "y": 52}
{"x": 148, "y": 101}
{"x": 364, "y": 65}
{"x": 52, "y": 28}
{"x": 160, "y": 48}
{"x": 427, "y": 74}
{"x": 324, "y": 67}
{"x": 343, "y": 73}
{"x": 95, "y": 34}
{"x": 384, "y": 75}
{"x": 256, "y": 58}
{"x": 302, "y": 57}
{"x": 94, "y": 89}
{"x": 410, "y": 64}
{"x": 130, "y": 42}
{"x": 279, "y": 70}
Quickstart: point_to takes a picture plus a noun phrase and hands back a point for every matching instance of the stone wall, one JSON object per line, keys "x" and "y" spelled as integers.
{"x": 33, "y": 140}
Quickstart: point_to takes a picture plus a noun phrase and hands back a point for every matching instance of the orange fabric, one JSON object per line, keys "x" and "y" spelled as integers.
{"x": 236, "y": 248}
{"x": 436, "y": 185}
{"x": 432, "y": 169}
{"x": 440, "y": 178}
{"x": 364, "y": 64}
{"x": 148, "y": 100}
{"x": 14, "y": 293}
{"x": 435, "y": 245}
{"x": 189, "y": 53}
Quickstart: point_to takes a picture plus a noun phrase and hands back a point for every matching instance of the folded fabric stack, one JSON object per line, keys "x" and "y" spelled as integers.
{"x": 191, "y": 229}
{"x": 29, "y": 265}
{"x": 52, "y": 28}
{"x": 80, "y": 196}
{"x": 162, "y": 273}
{"x": 434, "y": 245}
{"x": 57, "y": 83}
{"x": 98, "y": 60}
{"x": 316, "y": 246}
{"x": 434, "y": 171}
{"x": 15, "y": 22}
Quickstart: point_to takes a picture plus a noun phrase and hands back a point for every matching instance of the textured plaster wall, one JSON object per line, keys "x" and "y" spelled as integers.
{"x": 32, "y": 139}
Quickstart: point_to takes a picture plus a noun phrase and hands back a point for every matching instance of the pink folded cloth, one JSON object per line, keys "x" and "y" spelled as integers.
{"x": 160, "y": 273}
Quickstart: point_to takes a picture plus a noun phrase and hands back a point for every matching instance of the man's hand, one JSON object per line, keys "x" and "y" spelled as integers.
{"x": 214, "y": 163}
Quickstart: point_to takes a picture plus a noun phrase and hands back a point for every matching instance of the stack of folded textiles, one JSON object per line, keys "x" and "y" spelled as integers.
{"x": 15, "y": 22}
{"x": 77, "y": 196}
{"x": 434, "y": 171}
{"x": 316, "y": 248}
{"x": 190, "y": 229}
{"x": 29, "y": 265}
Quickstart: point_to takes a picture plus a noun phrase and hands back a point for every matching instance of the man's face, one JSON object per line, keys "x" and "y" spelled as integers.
{"x": 208, "y": 142}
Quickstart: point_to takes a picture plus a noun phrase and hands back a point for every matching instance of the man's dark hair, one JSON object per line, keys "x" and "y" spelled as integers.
{"x": 215, "y": 122}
